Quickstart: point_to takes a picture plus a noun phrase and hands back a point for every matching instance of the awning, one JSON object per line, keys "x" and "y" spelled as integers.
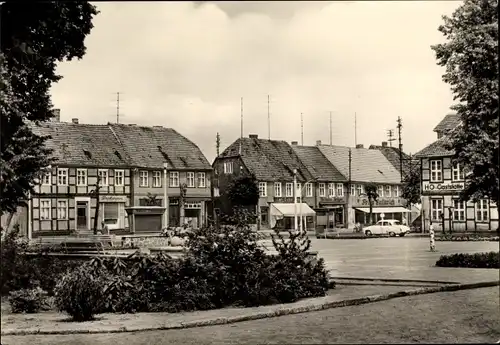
{"x": 288, "y": 210}
{"x": 383, "y": 209}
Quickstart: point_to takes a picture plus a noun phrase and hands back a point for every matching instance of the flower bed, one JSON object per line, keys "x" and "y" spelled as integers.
{"x": 477, "y": 260}
{"x": 466, "y": 237}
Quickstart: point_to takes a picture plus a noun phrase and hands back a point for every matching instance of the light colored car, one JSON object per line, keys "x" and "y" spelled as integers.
{"x": 110, "y": 224}
{"x": 391, "y": 227}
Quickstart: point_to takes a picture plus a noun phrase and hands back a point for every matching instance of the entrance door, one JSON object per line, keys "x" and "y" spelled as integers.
{"x": 82, "y": 215}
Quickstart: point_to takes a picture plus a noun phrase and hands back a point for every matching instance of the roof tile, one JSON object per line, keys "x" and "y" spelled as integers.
{"x": 317, "y": 164}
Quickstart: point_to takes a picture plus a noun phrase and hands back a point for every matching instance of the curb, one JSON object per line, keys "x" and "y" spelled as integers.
{"x": 336, "y": 279}
{"x": 280, "y": 311}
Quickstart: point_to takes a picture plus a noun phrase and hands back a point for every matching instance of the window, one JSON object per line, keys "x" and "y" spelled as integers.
{"x": 298, "y": 192}
{"x": 353, "y": 189}
{"x": 174, "y": 179}
{"x": 309, "y": 189}
{"x": 119, "y": 178}
{"x": 289, "y": 189}
{"x": 380, "y": 191}
{"x": 396, "y": 191}
{"x": 277, "y": 189}
{"x": 359, "y": 187}
{"x": 436, "y": 209}
{"x": 331, "y": 190}
{"x": 190, "y": 179}
{"x": 62, "y": 176}
{"x": 457, "y": 173}
{"x": 143, "y": 178}
{"x": 228, "y": 167}
{"x": 202, "y": 181}
{"x": 62, "y": 209}
{"x": 482, "y": 211}
{"x": 459, "y": 210}
{"x": 262, "y": 189}
{"x": 81, "y": 177}
{"x": 46, "y": 178}
{"x": 103, "y": 177}
{"x": 387, "y": 191}
{"x": 156, "y": 178}
{"x": 340, "y": 189}
{"x": 436, "y": 171}
{"x": 45, "y": 209}
{"x": 322, "y": 190}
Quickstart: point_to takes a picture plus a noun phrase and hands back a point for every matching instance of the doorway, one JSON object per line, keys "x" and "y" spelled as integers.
{"x": 82, "y": 222}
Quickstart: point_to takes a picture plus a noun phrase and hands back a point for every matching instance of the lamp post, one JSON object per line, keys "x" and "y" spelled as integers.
{"x": 165, "y": 196}
{"x": 300, "y": 200}
{"x": 450, "y": 214}
{"x": 295, "y": 199}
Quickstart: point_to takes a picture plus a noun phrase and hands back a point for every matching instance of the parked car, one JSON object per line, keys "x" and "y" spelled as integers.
{"x": 391, "y": 227}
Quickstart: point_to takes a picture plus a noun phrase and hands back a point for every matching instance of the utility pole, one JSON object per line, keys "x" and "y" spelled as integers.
{"x": 355, "y": 129}
{"x": 390, "y": 134}
{"x": 217, "y": 144}
{"x": 118, "y": 107}
{"x": 301, "y": 129}
{"x": 241, "y": 124}
{"x": 349, "y": 188}
{"x": 330, "y": 128}
{"x": 400, "y": 127}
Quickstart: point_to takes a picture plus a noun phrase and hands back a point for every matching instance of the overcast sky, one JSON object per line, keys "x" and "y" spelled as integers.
{"x": 186, "y": 66}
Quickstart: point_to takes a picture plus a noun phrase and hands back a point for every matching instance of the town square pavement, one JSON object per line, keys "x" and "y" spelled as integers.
{"x": 405, "y": 258}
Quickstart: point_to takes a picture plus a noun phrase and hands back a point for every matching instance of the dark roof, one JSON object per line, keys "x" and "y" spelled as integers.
{"x": 268, "y": 160}
{"x": 82, "y": 144}
{"x": 366, "y": 165}
{"x": 317, "y": 164}
{"x": 436, "y": 149}
{"x": 392, "y": 155}
{"x": 448, "y": 123}
{"x": 150, "y": 147}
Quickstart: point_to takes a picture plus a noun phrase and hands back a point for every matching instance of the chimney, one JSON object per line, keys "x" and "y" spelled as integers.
{"x": 295, "y": 143}
{"x": 359, "y": 146}
{"x": 384, "y": 143}
{"x": 74, "y": 120}
{"x": 253, "y": 136}
{"x": 56, "y": 115}
{"x": 318, "y": 142}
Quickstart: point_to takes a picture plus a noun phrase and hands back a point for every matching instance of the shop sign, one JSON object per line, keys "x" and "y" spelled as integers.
{"x": 332, "y": 200}
{"x": 379, "y": 202}
{"x": 283, "y": 200}
{"x": 445, "y": 186}
{"x": 113, "y": 198}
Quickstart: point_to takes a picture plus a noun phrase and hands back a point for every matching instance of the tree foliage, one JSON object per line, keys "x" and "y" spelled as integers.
{"x": 411, "y": 183}
{"x": 470, "y": 56}
{"x": 371, "y": 191}
{"x": 34, "y": 37}
{"x": 243, "y": 190}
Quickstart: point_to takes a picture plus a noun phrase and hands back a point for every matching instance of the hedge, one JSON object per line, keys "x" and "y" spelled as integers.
{"x": 477, "y": 260}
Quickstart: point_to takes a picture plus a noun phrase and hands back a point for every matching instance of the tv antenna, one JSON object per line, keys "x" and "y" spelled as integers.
{"x": 390, "y": 135}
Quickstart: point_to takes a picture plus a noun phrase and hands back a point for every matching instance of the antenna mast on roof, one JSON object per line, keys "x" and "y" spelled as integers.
{"x": 301, "y": 129}
{"x": 400, "y": 127}
{"x": 330, "y": 128}
{"x": 355, "y": 129}
{"x": 390, "y": 134}
{"x": 268, "y": 120}
{"x": 118, "y": 107}
{"x": 217, "y": 144}
{"x": 241, "y": 124}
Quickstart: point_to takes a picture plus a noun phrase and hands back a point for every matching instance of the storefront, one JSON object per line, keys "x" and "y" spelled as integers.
{"x": 113, "y": 210}
{"x": 383, "y": 208}
{"x": 146, "y": 219}
{"x": 331, "y": 213}
{"x": 282, "y": 216}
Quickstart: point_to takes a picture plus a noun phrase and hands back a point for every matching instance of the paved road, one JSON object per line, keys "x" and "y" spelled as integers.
{"x": 399, "y": 258}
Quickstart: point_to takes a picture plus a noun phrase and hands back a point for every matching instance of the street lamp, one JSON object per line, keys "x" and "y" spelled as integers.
{"x": 450, "y": 213}
{"x": 165, "y": 196}
{"x": 300, "y": 201}
{"x": 295, "y": 199}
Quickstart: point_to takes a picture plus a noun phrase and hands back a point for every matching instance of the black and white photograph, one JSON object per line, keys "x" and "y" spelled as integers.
{"x": 249, "y": 172}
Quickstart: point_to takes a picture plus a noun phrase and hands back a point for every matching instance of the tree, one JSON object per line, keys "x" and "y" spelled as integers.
{"x": 96, "y": 192}
{"x": 243, "y": 190}
{"x": 411, "y": 183}
{"x": 371, "y": 191}
{"x": 34, "y": 37}
{"x": 470, "y": 56}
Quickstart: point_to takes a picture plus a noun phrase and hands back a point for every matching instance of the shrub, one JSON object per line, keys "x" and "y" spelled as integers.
{"x": 80, "y": 293}
{"x": 477, "y": 260}
{"x": 28, "y": 300}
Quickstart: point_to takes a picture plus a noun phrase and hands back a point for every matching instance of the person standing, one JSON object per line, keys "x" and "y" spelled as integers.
{"x": 432, "y": 240}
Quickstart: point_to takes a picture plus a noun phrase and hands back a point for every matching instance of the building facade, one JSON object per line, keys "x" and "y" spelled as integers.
{"x": 441, "y": 183}
{"x": 65, "y": 199}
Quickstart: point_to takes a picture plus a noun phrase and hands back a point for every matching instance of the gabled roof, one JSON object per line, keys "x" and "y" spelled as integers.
{"x": 150, "y": 147}
{"x": 436, "y": 149}
{"x": 448, "y": 123}
{"x": 392, "y": 155}
{"x": 366, "y": 165}
{"x": 268, "y": 160}
{"x": 82, "y": 144}
{"x": 317, "y": 164}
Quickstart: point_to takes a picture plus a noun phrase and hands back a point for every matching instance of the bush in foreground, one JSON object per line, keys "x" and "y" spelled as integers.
{"x": 28, "y": 300}
{"x": 477, "y": 260}
{"x": 223, "y": 267}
